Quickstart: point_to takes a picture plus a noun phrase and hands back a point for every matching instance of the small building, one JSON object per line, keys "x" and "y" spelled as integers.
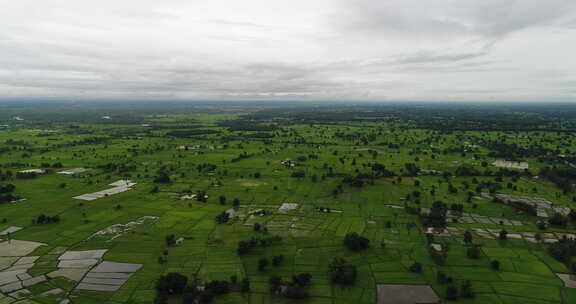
{"x": 37, "y": 171}
{"x": 437, "y": 247}
{"x": 73, "y": 171}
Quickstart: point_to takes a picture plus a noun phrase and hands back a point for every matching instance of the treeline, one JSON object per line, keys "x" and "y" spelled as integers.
{"x": 191, "y": 133}
{"x": 248, "y": 125}
{"x": 120, "y": 168}
{"x": 46, "y": 219}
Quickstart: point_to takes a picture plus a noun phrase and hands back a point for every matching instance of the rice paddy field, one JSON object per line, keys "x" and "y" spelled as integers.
{"x": 308, "y": 183}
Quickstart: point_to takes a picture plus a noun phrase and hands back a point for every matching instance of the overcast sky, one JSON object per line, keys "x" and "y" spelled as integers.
{"x": 295, "y": 50}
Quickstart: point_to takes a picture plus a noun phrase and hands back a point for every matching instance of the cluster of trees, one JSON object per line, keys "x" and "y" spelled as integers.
{"x": 298, "y": 174}
{"x": 564, "y": 250}
{"x": 240, "y": 157}
{"x": 7, "y": 198}
{"x": 6, "y": 195}
{"x": 163, "y": 177}
{"x": 380, "y": 170}
{"x": 170, "y": 240}
{"x": 465, "y": 291}
{"x": 54, "y": 165}
{"x": 247, "y": 124}
{"x": 456, "y": 208}
{"x": 264, "y": 262}
{"x": 415, "y": 267}
{"x": 295, "y": 289}
{"x": 46, "y": 219}
{"x": 177, "y": 284}
{"x": 525, "y": 208}
{"x": 201, "y": 196}
{"x": 342, "y": 272}
{"x": 438, "y": 257}
{"x": 15, "y": 142}
{"x": 473, "y": 252}
{"x": 26, "y": 175}
{"x": 355, "y": 242}
{"x": 223, "y": 217}
{"x": 244, "y": 247}
{"x": 437, "y": 216}
{"x": 206, "y": 167}
{"x": 354, "y": 181}
{"x": 6, "y": 175}
{"x": 119, "y": 168}
{"x": 564, "y": 178}
{"x": 452, "y": 292}
{"x": 513, "y": 151}
{"x": 259, "y": 135}
{"x": 560, "y": 220}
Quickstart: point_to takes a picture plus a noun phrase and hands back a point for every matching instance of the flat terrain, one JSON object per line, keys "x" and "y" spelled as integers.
{"x": 310, "y": 181}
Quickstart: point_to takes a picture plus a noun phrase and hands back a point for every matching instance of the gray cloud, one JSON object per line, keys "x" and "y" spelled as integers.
{"x": 360, "y": 49}
{"x": 454, "y": 18}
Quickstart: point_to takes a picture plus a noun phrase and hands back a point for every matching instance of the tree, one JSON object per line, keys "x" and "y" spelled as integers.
{"x": 243, "y": 247}
{"x": 468, "y": 237}
{"x": 437, "y": 215}
{"x": 170, "y": 240}
{"x": 503, "y": 235}
{"x": 538, "y": 237}
{"x": 275, "y": 284}
{"x": 466, "y": 290}
{"x": 473, "y": 252}
{"x": 342, "y": 272}
{"x": 245, "y": 285}
{"x": 277, "y": 260}
{"x": 262, "y": 264}
{"x": 162, "y": 178}
{"x": 355, "y": 242}
{"x": 451, "y": 293}
{"x": 495, "y": 264}
{"x": 442, "y": 278}
{"x": 416, "y": 267}
{"x": 302, "y": 279}
{"x": 161, "y": 299}
{"x": 223, "y": 217}
{"x": 171, "y": 284}
{"x": 296, "y": 292}
{"x": 558, "y": 220}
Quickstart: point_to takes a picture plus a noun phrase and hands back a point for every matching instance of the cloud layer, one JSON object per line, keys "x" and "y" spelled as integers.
{"x": 310, "y": 50}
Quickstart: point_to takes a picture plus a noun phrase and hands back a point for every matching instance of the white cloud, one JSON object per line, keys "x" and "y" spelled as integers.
{"x": 321, "y": 49}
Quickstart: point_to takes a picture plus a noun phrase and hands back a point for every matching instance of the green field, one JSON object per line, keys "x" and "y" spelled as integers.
{"x": 332, "y": 168}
